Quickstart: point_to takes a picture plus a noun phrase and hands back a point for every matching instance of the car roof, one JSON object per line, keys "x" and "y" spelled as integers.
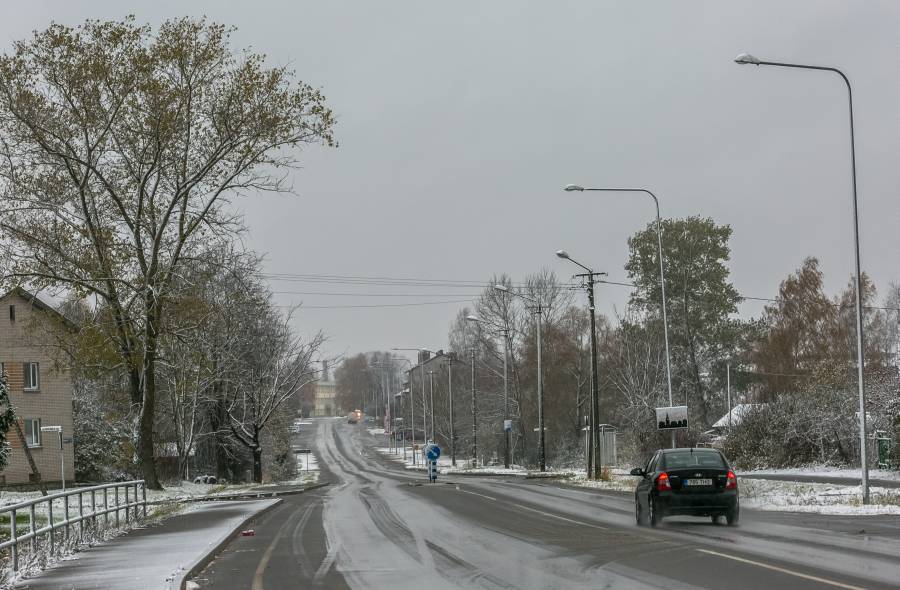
{"x": 691, "y": 449}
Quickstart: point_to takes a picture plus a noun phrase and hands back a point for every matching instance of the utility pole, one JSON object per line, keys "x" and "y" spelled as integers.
{"x": 431, "y": 398}
{"x": 540, "y": 388}
{"x": 728, "y": 392}
{"x": 424, "y": 412}
{"x": 594, "y": 459}
{"x": 595, "y": 394}
{"x": 474, "y": 415}
{"x": 505, "y": 333}
{"x": 450, "y": 358}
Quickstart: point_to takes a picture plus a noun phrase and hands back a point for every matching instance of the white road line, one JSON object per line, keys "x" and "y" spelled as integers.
{"x": 556, "y": 516}
{"x": 480, "y": 495}
{"x": 783, "y": 570}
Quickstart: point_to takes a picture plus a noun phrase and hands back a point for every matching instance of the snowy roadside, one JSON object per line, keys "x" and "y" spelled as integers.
{"x": 825, "y": 472}
{"x": 782, "y": 496}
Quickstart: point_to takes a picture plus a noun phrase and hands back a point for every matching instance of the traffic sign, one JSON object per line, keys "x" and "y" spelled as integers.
{"x": 507, "y": 425}
{"x": 433, "y": 452}
{"x": 671, "y": 418}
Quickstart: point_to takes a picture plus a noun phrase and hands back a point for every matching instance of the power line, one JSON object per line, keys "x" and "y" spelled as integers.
{"x": 380, "y": 305}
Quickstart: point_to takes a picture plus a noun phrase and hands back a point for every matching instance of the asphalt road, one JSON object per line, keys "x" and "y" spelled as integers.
{"x": 378, "y": 526}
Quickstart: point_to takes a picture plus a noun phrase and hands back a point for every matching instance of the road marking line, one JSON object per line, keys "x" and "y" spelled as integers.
{"x": 477, "y": 494}
{"x": 578, "y": 522}
{"x": 783, "y": 570}
{"x": 264, "y": 562}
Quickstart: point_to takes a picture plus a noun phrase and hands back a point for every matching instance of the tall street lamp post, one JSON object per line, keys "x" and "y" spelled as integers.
{"x": 747, "y": 59}
{"x": 539, "y": 310}
{"x": 451, "y": 358}
{"x": 431, "y": 400}
{"x": 422, "y": 371}
{"x": 505, "y": 333}
{"x": 412, "y": 423}
{"x": 595, "y": 461}
{"x": 662, "y": 272}
{"x": 474, "y": 414}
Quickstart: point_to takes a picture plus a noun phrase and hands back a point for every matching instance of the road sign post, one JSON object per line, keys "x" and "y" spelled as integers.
{"x": 432, "y": 453}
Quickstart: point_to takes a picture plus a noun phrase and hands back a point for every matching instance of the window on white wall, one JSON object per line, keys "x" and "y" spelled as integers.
{"x": 33, "y": 432}
{"x": 32, "y": 375}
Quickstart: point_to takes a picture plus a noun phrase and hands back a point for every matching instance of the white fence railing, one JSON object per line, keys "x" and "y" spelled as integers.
{"x": 108, "y": 502}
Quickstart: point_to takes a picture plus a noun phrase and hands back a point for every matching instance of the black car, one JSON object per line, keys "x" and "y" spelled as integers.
{"x": 692, "y": 482}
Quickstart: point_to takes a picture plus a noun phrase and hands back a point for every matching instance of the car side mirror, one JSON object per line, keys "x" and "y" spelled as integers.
{"x": 637, "y": 471}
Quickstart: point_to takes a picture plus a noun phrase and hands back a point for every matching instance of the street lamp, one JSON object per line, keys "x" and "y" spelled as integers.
{"x": 412, "y": 418}
{"x": 505, "y": 332}
{"x": 539, "y": 310}
{"x": 595, "y": 462}
{"x": 748, "y": 59}
{"x": 662, "y": 273}
{"x": 424, "y": 413}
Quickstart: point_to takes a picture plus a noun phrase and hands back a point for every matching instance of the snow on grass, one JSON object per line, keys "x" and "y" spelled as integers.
{"x": 825, "y": 471}
{"x": 821, "y": 498}
{"x": 376, "y": 431}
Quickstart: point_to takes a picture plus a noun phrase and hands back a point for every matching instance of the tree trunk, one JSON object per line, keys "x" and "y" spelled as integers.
{"x": 257, "y": 459}
{"x": 148, "y": 407}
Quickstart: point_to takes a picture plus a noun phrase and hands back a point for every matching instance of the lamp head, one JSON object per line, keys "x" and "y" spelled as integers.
{"x": 746, "y": 58}
{"x": 562, "y": 254}
{"x": 503, "y": 288}
{"x": 573, "y": 187}
{"x": 472, "y": 318}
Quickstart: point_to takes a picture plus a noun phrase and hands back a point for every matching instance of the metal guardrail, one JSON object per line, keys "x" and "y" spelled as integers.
{"x": 131, "y": 502}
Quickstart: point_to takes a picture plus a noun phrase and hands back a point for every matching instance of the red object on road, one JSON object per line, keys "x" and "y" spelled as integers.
{"x": 248, "y": 533}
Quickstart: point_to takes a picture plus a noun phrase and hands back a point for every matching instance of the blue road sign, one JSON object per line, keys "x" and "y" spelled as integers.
{"x": 432, "y": 452}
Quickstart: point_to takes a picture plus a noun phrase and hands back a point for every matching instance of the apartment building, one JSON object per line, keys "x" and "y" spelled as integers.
{"x": 40, "y": 388}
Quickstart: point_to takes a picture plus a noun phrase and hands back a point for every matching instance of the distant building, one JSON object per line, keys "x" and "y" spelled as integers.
{"x": 40, "y": 389}
{"x": 325, "y": 398}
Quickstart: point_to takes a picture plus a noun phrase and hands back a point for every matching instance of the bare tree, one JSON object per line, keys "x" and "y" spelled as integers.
{"x": 120, "y": 149}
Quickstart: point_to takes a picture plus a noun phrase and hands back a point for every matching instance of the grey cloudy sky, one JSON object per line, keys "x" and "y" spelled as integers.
{"x": 459, "y": 122}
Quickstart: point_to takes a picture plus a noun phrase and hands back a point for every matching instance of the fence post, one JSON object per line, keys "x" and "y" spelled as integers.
{"x": 33, "y": 529}
{"x": 105, "y": 509}
{"x": 66, "y": 514}
{"x": 52, "y": 531}
{"x": 116, "y": 490}
{"x": 144, "y": 495}
{"x": 126, "y": 503}
{"x": 14, "y": 536}
{"x": 80, "y": 517}
{"x": 94, "y": 511}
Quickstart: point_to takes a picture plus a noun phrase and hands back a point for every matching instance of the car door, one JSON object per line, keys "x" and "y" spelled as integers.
{"x": 643, "y": 489}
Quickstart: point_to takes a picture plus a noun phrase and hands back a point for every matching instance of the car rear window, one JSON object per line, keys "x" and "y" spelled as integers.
{"x": 690, "y": 460}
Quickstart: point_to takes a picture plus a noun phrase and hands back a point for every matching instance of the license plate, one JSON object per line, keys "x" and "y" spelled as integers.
{"x": 698, "y": 482}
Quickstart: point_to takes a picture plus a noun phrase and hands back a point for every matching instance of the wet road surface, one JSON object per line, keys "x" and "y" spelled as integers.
{"x": 378, "y": 526}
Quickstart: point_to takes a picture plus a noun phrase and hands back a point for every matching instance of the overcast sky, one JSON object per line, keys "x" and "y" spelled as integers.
{"x": 459, "y": 122}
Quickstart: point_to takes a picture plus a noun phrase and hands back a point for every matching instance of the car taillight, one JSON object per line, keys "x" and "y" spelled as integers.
{"x": 731, "y": 484}
{"x": 662, "y": 482}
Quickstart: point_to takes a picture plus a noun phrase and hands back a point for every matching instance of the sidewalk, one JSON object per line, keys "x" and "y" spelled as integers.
{"x": 154, "y": 557}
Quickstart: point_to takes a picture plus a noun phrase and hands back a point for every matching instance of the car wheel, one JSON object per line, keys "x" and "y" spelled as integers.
{"x": 716, "y": 518}
{"x": 733, "y": 516}
{"x": 639, "y": 515}
{"x": 655, "y": 517}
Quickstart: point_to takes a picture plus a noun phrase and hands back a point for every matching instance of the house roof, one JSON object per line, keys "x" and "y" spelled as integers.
{"x": 37, "y": 302}
{"x": 737, "y": 415}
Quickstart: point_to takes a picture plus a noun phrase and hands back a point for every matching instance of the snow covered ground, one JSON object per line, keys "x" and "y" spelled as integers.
{"x": 821, "y": 498}
{"x": 785, "y": 496}
{"x": 820, "y": 471}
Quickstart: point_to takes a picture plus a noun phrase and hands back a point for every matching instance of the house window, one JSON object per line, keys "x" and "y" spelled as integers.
{"x": 32, "y": 376}
{"x": 33, "y": 432}
{"x": 12, "y": 313}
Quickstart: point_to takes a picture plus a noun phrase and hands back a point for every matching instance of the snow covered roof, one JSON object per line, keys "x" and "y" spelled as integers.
{"x": 737, "y": 415}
